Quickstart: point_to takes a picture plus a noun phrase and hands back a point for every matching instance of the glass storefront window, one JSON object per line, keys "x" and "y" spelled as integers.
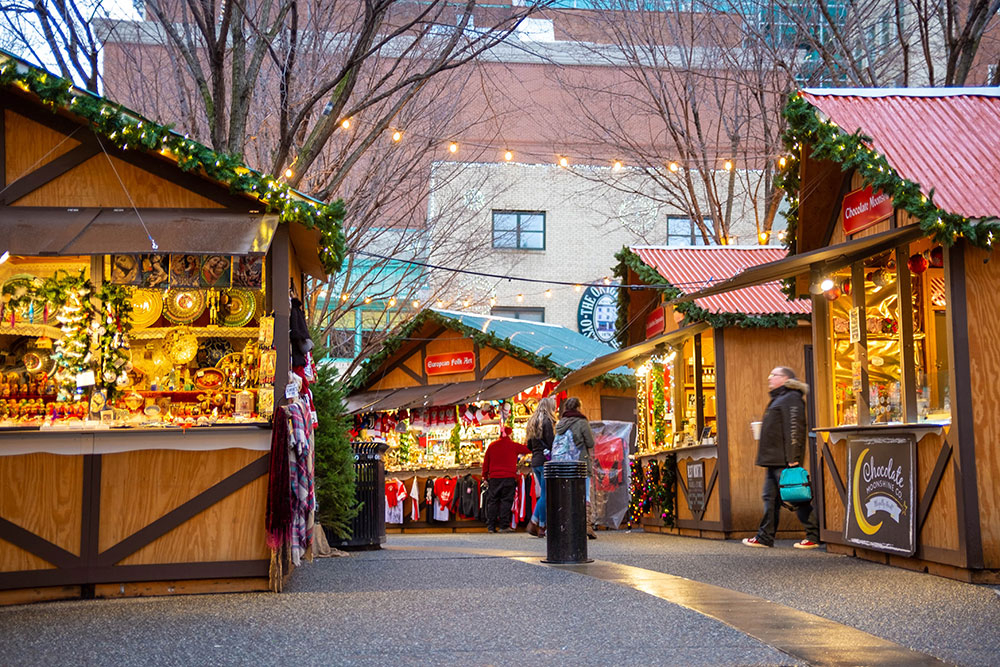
{"x": 846, "y": 375}
{"x": 869, "y": 332}
{"x": 930, "y": 331}
{"x": 882, "y": 334}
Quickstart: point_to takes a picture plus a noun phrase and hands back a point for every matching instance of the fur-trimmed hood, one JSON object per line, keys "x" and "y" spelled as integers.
{"x": 795, "y": 383}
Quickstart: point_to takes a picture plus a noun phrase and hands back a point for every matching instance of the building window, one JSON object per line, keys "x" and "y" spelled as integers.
{"x": 520, "y": 230}
{"x": 683, "y": 231}
{"x": 529, "y": 314}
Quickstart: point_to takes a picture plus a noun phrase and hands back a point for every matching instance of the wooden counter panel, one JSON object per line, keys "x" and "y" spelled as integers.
{"x": 138, "y": 488}
{"x": 834, "y": 508}
{"x": 42, "y": 494}
{"x": 983, "y": 294}
{"x": 941, "y": 526}
{"x": 230, "y": 530}
{"x": 16, "y": 559}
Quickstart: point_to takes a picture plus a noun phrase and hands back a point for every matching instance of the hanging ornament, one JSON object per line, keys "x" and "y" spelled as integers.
{"x": 937, "y": 257}
{"x": 917, "y": 264}
{"x": 845, "y": 286}
{"x": 880, "y": 278}
{"x": 832, "y": 294}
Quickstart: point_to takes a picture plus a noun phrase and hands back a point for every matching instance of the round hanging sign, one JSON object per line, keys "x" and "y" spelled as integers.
{"x": 598, "y": 312}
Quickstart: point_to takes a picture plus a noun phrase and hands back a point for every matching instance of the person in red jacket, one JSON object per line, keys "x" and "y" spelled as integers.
{"x": 500, "y": 470}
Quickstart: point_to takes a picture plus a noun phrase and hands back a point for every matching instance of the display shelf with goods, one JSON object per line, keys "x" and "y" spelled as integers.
{"x": 70, "y": 356}
{"x": 442, "y": 438}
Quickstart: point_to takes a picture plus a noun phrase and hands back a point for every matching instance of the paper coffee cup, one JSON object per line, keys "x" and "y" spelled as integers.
{"x": 755, "y": 428}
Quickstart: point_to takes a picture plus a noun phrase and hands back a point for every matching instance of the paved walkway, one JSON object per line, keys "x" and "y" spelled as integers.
{"x": 479, "y": 599}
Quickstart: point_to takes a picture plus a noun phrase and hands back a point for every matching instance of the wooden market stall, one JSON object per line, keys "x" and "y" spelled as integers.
{"x": 444, "y": 384}
{"x": 894, "y": 211}
{"x": 142, "y": 276}
{"x": 701, "y": 379}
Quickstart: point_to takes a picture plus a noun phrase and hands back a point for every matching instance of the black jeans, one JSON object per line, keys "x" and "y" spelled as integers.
{"x": 772, "y": 509}
{"x": 500, "y": 502}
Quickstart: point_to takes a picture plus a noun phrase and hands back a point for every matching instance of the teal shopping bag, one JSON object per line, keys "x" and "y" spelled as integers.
{"x": 794, "y": 485}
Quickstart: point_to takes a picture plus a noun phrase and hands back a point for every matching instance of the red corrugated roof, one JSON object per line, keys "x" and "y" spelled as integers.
{"x": 690, "y": 269}
{"x": 947, "y": 139}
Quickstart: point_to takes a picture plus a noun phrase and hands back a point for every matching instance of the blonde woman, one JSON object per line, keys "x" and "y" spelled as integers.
{"x": 540, "y": 432}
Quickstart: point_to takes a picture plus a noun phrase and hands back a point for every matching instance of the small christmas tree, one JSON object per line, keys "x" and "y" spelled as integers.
{"x": 335, "y": 474}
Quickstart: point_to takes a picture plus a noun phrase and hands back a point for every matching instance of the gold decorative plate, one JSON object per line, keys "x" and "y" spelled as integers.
{"x": 147, "y": 306}
{"x": 242, "y": 306}
{"x": 184, "y": 306}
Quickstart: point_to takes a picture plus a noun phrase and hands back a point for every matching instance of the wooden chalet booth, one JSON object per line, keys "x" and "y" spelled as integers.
{"x": 138, "y": 348}
{"x": 894, "y": 212}
{"x": 444, "y": 384}
{"x": 701, "y": 379}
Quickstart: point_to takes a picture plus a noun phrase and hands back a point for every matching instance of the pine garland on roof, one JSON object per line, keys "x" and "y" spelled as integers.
{"x": 543, "y": 363}
{"x": 827, "y": 141}
{"x": 692, "y": 312}
{"x": 128, "y": 130}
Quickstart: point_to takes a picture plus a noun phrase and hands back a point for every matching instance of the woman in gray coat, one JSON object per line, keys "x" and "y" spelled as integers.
{"x": 573, "y": 420}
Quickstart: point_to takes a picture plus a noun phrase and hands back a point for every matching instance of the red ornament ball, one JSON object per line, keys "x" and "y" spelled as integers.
{"x": 937, "y": 257}
{"x": 846, "y": 286}
{"x": 917, "y": 263}
{"x": 832, "y": 294}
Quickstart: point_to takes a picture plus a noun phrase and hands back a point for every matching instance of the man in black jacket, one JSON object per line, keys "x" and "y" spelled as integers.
{"x": 782, "y": 445}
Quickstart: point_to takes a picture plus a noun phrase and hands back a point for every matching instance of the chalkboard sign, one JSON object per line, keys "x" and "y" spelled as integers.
{"x": 881, "y": 502}
{"x": 696, "y": 486}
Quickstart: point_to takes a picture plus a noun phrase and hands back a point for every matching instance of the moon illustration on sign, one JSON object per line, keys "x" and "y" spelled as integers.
{"x": 859, "y": 516}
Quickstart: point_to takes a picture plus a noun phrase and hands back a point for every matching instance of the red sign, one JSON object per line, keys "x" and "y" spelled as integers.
{"x": 863, "y": 208}
{"x": 656, "y": 322}
{"x": 453, "y": 362}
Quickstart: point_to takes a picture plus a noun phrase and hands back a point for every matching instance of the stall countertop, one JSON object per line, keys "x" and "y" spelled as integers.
{"x": 694, "y": 452}
{"x": 78, "y": 442}
{"x": 837, "y": 433}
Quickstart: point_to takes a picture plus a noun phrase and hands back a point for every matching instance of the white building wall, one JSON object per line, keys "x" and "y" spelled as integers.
{"x": 586, "y": 223}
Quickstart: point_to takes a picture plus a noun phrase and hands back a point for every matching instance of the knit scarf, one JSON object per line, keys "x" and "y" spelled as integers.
{"x": 278, "y": 515}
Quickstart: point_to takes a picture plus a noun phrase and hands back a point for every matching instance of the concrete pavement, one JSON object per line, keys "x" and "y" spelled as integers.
{"x": 481, "y": 599}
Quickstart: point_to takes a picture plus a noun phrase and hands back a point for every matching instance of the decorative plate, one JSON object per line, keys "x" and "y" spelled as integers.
{"x": 183, "y": 347}
{"x": 208, "y": 379}
{"x": 242, "y": 306}
{"x": 211, "y": 350}
{"x": 184, "y": 306}
{"x": 147, "y": 306}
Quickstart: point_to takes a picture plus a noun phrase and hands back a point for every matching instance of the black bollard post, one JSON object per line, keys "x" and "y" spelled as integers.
{"x": 566, "y": 512}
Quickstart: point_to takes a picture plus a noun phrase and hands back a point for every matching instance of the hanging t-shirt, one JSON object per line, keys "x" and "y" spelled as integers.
{"x": 429, "y": 501}
{"x": 395, "y": 494}
{"x": 444, "y": 489}
{"x": 415, "y": 501}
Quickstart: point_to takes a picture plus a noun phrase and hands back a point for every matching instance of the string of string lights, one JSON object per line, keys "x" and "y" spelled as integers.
{"x": 562, "y": 160}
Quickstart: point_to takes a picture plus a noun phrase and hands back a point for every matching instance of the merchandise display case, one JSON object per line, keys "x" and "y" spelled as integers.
{"x": 134, "y": 341}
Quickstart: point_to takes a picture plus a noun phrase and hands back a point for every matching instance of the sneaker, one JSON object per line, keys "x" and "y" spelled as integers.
{"x": 506, "y": 530}
{"x": 492, "y": 529}
{"x": 533, "y": 528}
{"x": 754, "y": 542}
{"x": 806, "y": 544}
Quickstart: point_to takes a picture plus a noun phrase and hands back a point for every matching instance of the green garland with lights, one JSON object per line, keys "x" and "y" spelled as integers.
{"x": 628, "y": 260}
{"x": 129, "y": 130}
{"x": 659, "y": 412}
{"x": 827, "y": 141}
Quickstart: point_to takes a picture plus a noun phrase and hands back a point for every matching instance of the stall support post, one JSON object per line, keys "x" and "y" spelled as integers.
{"x": 861, "y": 400}
{"x": 907, "y": 371}
{"x": 699, "y": 388}
{"x": 281, "y": 272}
